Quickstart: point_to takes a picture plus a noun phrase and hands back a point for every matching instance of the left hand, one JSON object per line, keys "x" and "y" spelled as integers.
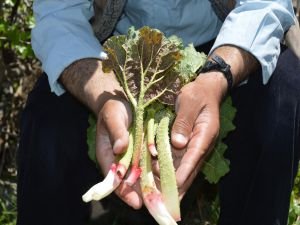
{"x": 196, "y": 126}
{"x": 197, "y": 123}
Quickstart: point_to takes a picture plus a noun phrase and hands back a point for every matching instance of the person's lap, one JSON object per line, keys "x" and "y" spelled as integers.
{"x": 54, "y": 169}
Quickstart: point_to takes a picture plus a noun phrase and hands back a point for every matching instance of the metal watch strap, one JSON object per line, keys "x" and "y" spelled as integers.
{"x": 218, "y": 64}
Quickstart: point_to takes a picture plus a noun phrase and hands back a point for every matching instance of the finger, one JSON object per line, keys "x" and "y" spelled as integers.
{"x": 117, "y": 117}
{"x": 155, "y": 167}
{"x": 177, "y": 155}
{"x": 105, "y": 157}
{"x": 104, "y": 154}
{"x": 185, "y": 118}
{"x": 205, "y": 133}
{"x": 188, "y": 182}
{"x": 131, "y": 195}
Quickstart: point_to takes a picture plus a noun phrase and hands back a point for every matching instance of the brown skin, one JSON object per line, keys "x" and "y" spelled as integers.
{"x": 103, "y": 95}
{"x": 194, "y": 131}
{"x": 196, "y": 128}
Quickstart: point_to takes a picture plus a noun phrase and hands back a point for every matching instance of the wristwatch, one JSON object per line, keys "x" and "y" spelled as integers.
{"x": 216, "y": 63}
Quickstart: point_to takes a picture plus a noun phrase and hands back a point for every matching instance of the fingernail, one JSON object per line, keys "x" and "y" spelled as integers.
{"x": 179, "y": 138}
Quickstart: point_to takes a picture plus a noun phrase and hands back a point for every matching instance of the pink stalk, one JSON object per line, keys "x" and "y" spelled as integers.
{"x": 155, "y": 205}
{"x": 113, "y": 178}
{"x": 151, "y": 195}
{"x": 135, "y": 170}
{"x": 134, "y": 175}
{"x": 107, "y": 186}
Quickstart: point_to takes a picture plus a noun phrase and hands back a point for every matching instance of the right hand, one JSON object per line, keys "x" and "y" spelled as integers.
{"x": 103, "y": 95}
{"x": 112, "y": 139}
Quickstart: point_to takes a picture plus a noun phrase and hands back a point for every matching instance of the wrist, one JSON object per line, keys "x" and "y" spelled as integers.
{"x": 241, "y": 62}
{"x": 85, "y": 80}
{"x": 217, "y": 63}
{"x": 213, "y": 82}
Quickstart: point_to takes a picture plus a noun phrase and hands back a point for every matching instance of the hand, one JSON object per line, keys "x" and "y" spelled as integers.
{"x": 197, "y": 123}
{"x": 196, "y": 126}
{"x": 103, "y": 95}
{"x": 112, "y": 139}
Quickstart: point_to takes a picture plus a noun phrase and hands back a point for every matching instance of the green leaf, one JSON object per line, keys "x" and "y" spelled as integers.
{"x": 227, "y": 114}
{"x": 216, "y": 165}
{"x": 190, "y": 63}
{"x": 91, "y": 138}
{"x": 176, "y": 41}
{"x": 294, "y": 212}
{"x": 117, "y": 55}
{"x": 144, "y": 62}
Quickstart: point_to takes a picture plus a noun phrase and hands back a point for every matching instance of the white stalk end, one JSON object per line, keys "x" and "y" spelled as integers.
{"x": 157, "y": 209}
{"x": 104, "y": 188}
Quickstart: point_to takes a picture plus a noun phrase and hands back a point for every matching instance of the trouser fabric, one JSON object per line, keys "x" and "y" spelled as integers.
{"x": 264, "y": 149}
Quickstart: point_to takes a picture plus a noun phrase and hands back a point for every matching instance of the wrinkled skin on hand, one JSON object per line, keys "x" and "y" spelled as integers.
{"x": 196, "y": 126}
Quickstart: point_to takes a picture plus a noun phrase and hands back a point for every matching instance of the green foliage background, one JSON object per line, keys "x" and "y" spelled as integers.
{"x": 18, "y": 72}
{"x": 294, "y": 214}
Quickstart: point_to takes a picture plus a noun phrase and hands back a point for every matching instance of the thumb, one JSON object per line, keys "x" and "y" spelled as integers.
{"x": 184, "y": 122}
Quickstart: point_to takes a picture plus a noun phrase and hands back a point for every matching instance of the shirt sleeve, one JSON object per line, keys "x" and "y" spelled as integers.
{"x": 258, "y": 27}
{"x": 63, "y": 35}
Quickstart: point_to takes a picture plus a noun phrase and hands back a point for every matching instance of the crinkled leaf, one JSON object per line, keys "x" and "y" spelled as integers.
{"x": 176, "y": 41}
{"x": 190, "y": 63}
{"x": 226, "y": 117}
{"x": 142, "y": 57}
{"x": 216, "y": 165}
{"x": 174, "y": 86}
{"x": 116, "y": 52}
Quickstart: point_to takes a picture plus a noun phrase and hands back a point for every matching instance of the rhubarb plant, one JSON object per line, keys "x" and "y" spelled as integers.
{"x": 152, "y": 69}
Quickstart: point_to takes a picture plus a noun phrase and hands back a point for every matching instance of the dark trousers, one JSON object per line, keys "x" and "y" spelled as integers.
{"x": 54, "y": 169}
{"x": 53, "y": 166}
{"x": 264, "y": 149}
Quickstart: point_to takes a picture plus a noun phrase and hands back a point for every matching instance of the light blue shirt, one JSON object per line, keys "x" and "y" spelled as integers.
{"x": 63, "y": 34}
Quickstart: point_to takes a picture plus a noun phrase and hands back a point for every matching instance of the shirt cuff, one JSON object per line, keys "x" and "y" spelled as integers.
{"x": 63, "y": 35}
{"x": 260, "y": 34}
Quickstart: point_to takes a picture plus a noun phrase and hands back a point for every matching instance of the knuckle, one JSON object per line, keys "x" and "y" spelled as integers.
{"x": 105, "y": 116}
{"x": 183, "y": 125}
